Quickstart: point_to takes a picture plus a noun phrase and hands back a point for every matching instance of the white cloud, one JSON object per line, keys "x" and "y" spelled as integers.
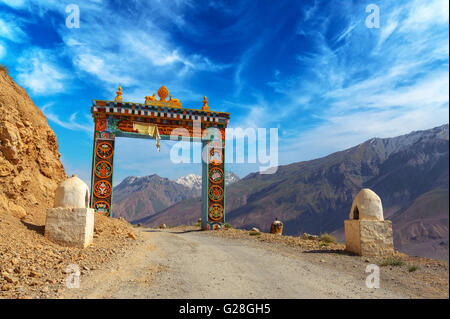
{"x": 73, "y": 124}
{"x": 390, "y": 26}
{"x": 309, "y": 12}
{"x": 347, "y": 32}
{"x": 339, "y": 132}
{"x": 11, "y": 30}
{"x": 244, "y": 60}
{"x": 133, "y": 52}
{"x": 138, "y": 94}
{"x": 2, "y": 51}
{"x": 14, "y": 3}
{"x": 41, "y": 7}
{"x": 376, "y": 84}
{"x": 38, "y": 72}
{"x": 123, "y": 48}
{"x": 102, "y": 67}
{"x": 423, "y": 14}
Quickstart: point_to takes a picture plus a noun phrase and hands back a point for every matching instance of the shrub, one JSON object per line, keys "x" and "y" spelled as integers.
{"x": 412, "y": 268}
{"x": 3, "y": 68}
{"x": 198, "y": 224}
{"x": 226, "y": 225}
{"x": 255, "y": 233}
{"x": 327, "y": 239}
{"x": 392, "y": 261}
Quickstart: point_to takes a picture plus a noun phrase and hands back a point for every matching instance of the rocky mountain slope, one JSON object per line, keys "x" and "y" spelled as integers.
{"x": 140, "y": 197}
{"x": 30, "y": 168}
{"x": 409, "y": 173}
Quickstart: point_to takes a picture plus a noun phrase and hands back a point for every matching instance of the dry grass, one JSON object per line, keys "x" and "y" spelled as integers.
{"x": 392, "y": 261}
{"x": 412, "y": 268}
{"x": 326, "y": 239}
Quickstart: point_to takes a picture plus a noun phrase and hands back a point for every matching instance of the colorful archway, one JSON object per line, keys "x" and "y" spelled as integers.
{"x": 159, "y": 120}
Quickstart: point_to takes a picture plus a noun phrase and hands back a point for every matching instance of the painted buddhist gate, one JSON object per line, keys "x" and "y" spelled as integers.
{"x": 159, "y": 120}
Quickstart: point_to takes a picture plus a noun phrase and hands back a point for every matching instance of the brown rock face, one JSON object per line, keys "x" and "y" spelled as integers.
{"x": 30, "y": 171}
{"x": 30, "y": 168}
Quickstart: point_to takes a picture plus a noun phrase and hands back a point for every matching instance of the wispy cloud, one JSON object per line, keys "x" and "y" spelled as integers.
{"x": 14, "y": 3}
{"x": 132, "y": 50}
{"x": 39, "y": 72}
{"x": 2, "y": 50}
{"x": 244, "y": 60}
{"x": 382, "y": 82}
{"x": 135, "y": 52}
{"x": 347, "y": 32}
{"x": 10, "y": 29}
{"x": 318, "y": 74}
{"x": 73, "y": 124}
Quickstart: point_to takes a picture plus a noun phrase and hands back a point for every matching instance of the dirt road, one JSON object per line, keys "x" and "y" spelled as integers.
{"x": 192, "y": 264}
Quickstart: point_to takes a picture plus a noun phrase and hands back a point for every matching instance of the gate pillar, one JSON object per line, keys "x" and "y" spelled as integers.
{"x": 213, "y": 182}
{"x": 102, "y": 168}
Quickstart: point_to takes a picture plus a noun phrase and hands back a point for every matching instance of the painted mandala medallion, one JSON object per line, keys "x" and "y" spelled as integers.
{"x": 215, "y": 212}
{"x": 215, "y": 156}
{"x": 104, "y": 150}
{"x": 102, "y": 189}
{"x": 216, "y": 175}
{"x": 103, "y": 169}
{"x": 102, "y": 207}
{"x": 215, "y": 193}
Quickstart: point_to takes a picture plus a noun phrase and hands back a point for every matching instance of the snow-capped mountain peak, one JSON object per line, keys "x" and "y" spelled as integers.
{"x": 191, "y": 181}
{"x": 195, "y": 181}
{"x": 231, "y": 178}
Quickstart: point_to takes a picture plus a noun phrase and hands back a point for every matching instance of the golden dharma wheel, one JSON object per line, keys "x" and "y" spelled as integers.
{"x": 163, "y": 93}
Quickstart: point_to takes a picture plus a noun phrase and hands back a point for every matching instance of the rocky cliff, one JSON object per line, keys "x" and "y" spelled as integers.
{"x": 30, "y": 168}
{"x": 31, "y": 266}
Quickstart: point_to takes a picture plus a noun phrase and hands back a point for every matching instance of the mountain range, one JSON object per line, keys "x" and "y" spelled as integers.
{"x": 408, "y": 172}
{"x": 140, "y": 197}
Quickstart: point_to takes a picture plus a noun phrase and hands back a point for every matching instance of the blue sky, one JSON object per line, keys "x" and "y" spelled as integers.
{"x": 312, "y": 69}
